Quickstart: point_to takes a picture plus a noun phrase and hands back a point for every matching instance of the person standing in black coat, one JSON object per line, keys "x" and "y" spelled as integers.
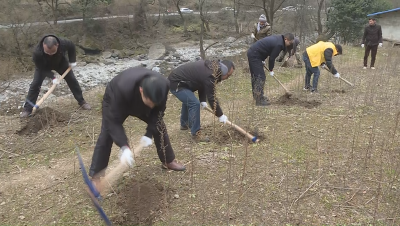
{"x": 270, "y": 47}
{"x": 372, "y": 38}
{"x": 201, "y": 76}
{"x": 50, "y": 54}
{"x": 137, "y": 92}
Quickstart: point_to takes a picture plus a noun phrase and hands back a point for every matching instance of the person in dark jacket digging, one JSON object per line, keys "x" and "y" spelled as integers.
{"x": 137, "y": 92}
{"x": 50, "y": 54}
{"x": 199, "y": 76}
{"x": 293, "y": 50}
{"x": 270, "y": 47}
{"x": 372, "y": 38}
{"x": 320, "y": 54}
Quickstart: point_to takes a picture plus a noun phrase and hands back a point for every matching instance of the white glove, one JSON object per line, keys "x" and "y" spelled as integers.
{"x": 145, "y": 141}
{"x": 55, "y": 81}
{"x": 337, "y": 75}
{"x": 380, "y": 44}
{"x": 126, "y": 156}
{"x": 271, "y": 73}
{"x": 362, "y": 45}
{"x": 252, "y": 35}
{"x": 72, "y": 65}
{"x": 263, "y": 62}
{"x": 223, "y": 119}
{"x": 203, "y": 105}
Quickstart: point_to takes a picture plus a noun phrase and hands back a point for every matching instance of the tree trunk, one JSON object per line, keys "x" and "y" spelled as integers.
{"x": 319, "y": 22}
{"x": 202, "y": 51}
{"x": 236, "y": 15}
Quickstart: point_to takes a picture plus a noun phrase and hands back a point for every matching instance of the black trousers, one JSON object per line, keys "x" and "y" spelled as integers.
{"x": 102, "y": 151}
{"x": 374, "y": 50}
{"x": 257, "y": 73}
{"x": 40, "y": 75}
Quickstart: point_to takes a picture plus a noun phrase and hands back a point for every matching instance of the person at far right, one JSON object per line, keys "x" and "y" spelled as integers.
{"x": 372, "y": 38}
{"x": 320, "y": 54}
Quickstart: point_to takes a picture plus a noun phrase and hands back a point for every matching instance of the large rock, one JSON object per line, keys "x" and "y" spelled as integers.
{"x": 107, "y": 54}
{"x": 156, "y": 51}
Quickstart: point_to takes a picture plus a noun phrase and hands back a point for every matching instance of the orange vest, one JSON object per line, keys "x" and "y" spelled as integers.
{"x": 316, "y": 52}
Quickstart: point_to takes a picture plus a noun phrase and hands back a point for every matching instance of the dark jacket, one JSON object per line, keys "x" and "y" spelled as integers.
{"x": 47, "y": 63}
{"x": 197, "y": 76}
{"x": 293, "y": 47}
{"x": 123, "y": 98}
{"x": 270, "y": 47}
{"x": 372, "y": 35}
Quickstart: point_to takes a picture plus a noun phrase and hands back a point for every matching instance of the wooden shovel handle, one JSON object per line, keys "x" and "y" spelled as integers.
{"x": 280, "y": 83}
{"x": 49, "y": 91}
{"x": 238, "y": 128}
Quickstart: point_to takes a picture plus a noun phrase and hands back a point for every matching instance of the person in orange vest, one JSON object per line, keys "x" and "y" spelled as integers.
{"x": 319, "y": 54}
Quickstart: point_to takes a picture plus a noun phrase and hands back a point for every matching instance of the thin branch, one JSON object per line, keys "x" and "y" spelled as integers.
{"x": 302, "y": 194}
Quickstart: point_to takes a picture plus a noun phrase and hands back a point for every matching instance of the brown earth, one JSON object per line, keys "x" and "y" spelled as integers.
{"x": 43, "y": 118}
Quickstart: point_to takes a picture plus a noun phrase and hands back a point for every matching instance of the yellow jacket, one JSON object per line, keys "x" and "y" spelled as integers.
{"x": 316, "y": 52}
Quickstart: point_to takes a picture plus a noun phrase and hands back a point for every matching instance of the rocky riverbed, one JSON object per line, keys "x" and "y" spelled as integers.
{"x": 108, "y": 64}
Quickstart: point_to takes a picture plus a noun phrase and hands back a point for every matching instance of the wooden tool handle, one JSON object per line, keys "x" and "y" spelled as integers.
{"x": 344, "y": 80}
{"x": 280, "y": 83}
{"x": 49, "y": 91}
{"x": 238, "y": 128}
{"x": 116, "y": 173}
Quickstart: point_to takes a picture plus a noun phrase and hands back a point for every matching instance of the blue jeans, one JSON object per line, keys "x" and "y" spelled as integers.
{"x": 190, "y": 112}
{"x": 309, "y": 71}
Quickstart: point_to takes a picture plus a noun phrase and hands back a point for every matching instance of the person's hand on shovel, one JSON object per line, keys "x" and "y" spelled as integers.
{"x": 126, "y": 156}
{"x": 203, "y": 105}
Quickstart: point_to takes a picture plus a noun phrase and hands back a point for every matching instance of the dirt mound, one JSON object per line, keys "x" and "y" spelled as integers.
{"x": 44, "y": 118}
{"x": 285, "y": 100}
{"x": 142, "y": 201}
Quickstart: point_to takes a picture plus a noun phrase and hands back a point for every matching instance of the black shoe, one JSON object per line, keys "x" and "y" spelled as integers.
{"x": 184, "y": 127}
{"x": 262, "y": 102}
{"x": 314, "y": 91}
{"x": 307, "y": 88}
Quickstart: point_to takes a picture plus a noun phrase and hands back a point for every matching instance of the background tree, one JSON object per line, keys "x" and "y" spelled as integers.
{"x": 177, "y": 5}
{"x": 347, "y": 18}
{"x": 54, "y": 6}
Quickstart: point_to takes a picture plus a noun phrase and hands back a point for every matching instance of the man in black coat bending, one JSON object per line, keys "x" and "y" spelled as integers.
{"x": 270, "y": 47}
{"x": 50, "y": 54}
{"x": 137, "y": 92}
{"x": 201, "y": 76}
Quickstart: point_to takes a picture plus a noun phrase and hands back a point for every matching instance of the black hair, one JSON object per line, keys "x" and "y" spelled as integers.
{"x": 229, "y": 64}
{"x": 339, "y": 48}
{"x": 372, "y": 18}
{"x": 50, "y": 41}
{"x": 289, "y": 36}
{"x": 155, "y": 88}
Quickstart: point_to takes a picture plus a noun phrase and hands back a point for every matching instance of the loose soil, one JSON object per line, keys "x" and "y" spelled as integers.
{"x": 142, "y": 200}
{"x": 290, "y": 101}
{"x": 43, "y": 118}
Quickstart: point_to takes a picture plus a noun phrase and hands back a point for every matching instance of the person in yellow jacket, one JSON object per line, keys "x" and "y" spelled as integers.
{"x": 319, "y": 54}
